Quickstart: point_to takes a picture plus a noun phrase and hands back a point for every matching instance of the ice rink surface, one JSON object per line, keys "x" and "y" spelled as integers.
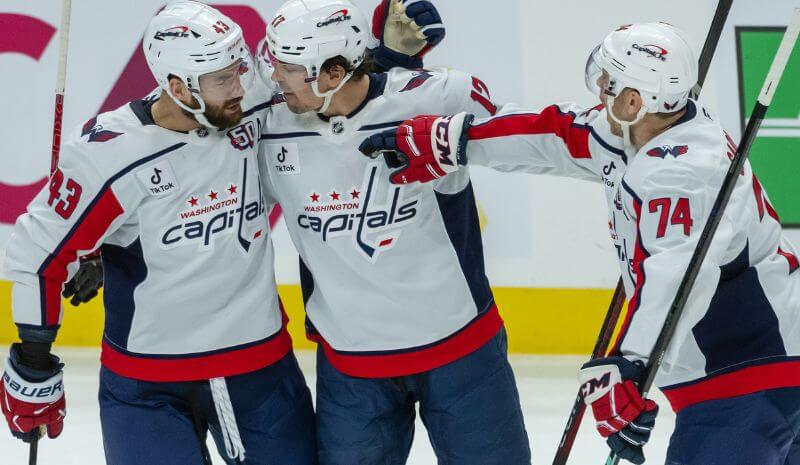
{"x": 547, "y": 386}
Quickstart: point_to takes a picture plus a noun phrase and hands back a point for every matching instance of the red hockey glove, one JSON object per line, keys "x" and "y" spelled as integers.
{"x": 622, "y": 415}
{"x": 32, "y": 399}
{"x": 427, "y": 147}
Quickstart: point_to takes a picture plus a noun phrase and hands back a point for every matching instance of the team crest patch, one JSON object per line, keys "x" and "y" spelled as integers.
{"x": 416, "y": 81}
{"x": 663, "y": 151}
{"x": 96, "y": 132}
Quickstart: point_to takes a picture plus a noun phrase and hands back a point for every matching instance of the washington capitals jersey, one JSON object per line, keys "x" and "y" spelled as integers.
{"x": 180, "y": 220}
{"x": 740, "y": 331}
{"x": 392, "y": 276}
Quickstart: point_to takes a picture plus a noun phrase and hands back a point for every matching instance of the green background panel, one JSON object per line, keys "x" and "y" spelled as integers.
{"x": 776, "y": 160}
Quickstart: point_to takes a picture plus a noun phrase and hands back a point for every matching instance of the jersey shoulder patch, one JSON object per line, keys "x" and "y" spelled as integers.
{"x": 93, "y": 131}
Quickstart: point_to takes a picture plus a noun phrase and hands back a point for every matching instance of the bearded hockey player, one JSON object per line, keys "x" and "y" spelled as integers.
{"x": 168, "y": 189}
{"x": 732, "y": 372}
{"x": 392, "y": 276}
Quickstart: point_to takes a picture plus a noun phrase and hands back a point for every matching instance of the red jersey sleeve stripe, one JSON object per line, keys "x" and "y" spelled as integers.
{"x": 91, "y": 226}
{"x": 549, "y": 121}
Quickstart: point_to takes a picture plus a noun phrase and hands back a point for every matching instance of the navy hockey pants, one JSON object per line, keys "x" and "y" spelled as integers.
{"x": 148, "y": 423}
{"x": 470, "y": 407}
{"x": 762, "y": 428}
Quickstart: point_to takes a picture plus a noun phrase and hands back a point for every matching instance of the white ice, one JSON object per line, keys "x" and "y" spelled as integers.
{"x": 547, "y": 386}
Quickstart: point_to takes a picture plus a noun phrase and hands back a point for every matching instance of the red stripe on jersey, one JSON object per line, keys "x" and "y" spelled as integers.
{"x": 84, "y": 236}
{"x": 469, "y": 339}
{"x": 550, "y": 121}
{"x": 234, "y": 362}
{"x": 639, "y": 256}
{"x": 794, "y": 264}
{"x": 738, "y": 383}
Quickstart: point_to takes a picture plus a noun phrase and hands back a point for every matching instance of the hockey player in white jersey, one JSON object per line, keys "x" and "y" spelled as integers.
{"x": 390, "y": 333}
{"x": 195, "y": 339}
{"x": 732, "y": 371}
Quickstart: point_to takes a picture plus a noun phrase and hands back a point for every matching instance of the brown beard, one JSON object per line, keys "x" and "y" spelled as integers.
{"x": 217, "y": 116}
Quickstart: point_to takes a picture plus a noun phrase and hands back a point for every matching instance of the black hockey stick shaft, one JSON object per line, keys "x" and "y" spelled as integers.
{"x": 607, "y": 330}
{"x": 717, "y": 211}
{"x": 712, "y": 39}
{"x": 33, "y": 453}
{"x": 600, "y": 348}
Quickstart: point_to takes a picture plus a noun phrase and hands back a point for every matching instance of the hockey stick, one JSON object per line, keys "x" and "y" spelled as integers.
{"x": 728, "y": 184}
{"x": 600, "y": 348}
{"x": 63, "y": 42}
{"x": 618, "y": 300}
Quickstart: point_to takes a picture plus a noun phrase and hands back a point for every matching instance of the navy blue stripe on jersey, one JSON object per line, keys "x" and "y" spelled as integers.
{"x": 288, "y": 135}
{"x": 691, "y": 112}
{"x": 100, "y": 193}
{"x": 641, "y": 276}
{"x": 607, "y": 146}
{"x": 372, "y": 127}
{"x": 258, "y": 107}
{"x": 124, "y": 351}
{"x": 306, "y": 281}
{"x": 142, "y": 109}
{"x": 55, "y": 253}
{"x": 460, "y": 217}
{"x": 740, "y": 323}
{"x": 124, "y": 269}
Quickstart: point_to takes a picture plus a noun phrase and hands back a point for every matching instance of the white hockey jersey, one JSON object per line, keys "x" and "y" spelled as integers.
{"x": 180, "y": 219}
{"x": 740, "y": 331}
{"x": 392, "y": 276}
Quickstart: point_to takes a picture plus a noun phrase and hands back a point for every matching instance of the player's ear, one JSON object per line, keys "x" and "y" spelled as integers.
{"x": 331, "y": 77}
{"x": 632, "y": 102}
{"x": 179, "y": 90}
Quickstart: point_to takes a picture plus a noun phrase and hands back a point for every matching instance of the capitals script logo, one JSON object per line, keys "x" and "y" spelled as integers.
{"x": 243, "y": 136}
{"x": 337, "y": 17}
{"x": 653, "y": 50}
{"x": 372, "y": 224}
{"x": 663, "y": 151}
{"x": 177, "y": 32}
{"x": 96, "y": 132}
{"x": 205, "y": 221}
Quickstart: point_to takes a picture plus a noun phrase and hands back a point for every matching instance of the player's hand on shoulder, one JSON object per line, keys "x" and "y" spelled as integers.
{"x": 424, "y": 148}
{"x": 32, "y": 398}
{"x": 87, "y": 281}
{"x": 621, "y": 414}
{"x": 406, "y": 30}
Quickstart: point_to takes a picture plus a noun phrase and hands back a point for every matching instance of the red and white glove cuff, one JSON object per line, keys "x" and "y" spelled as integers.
{"x": 44, "y": 392}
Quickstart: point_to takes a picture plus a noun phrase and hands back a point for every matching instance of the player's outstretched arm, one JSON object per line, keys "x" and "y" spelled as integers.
{"x": 555, "y": 141}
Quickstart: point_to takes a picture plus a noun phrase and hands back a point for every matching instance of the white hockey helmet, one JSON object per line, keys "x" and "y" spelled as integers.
{"x": 310, "y": 32}
{"x": 188, "y": 39}
{"x": 655, "y": 59}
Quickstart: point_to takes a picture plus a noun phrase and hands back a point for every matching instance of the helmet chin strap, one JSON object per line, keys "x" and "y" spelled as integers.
{"x": 199, "y": 113}
{"x": 328, "y": 96}
{"x": 630, "y": 149}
